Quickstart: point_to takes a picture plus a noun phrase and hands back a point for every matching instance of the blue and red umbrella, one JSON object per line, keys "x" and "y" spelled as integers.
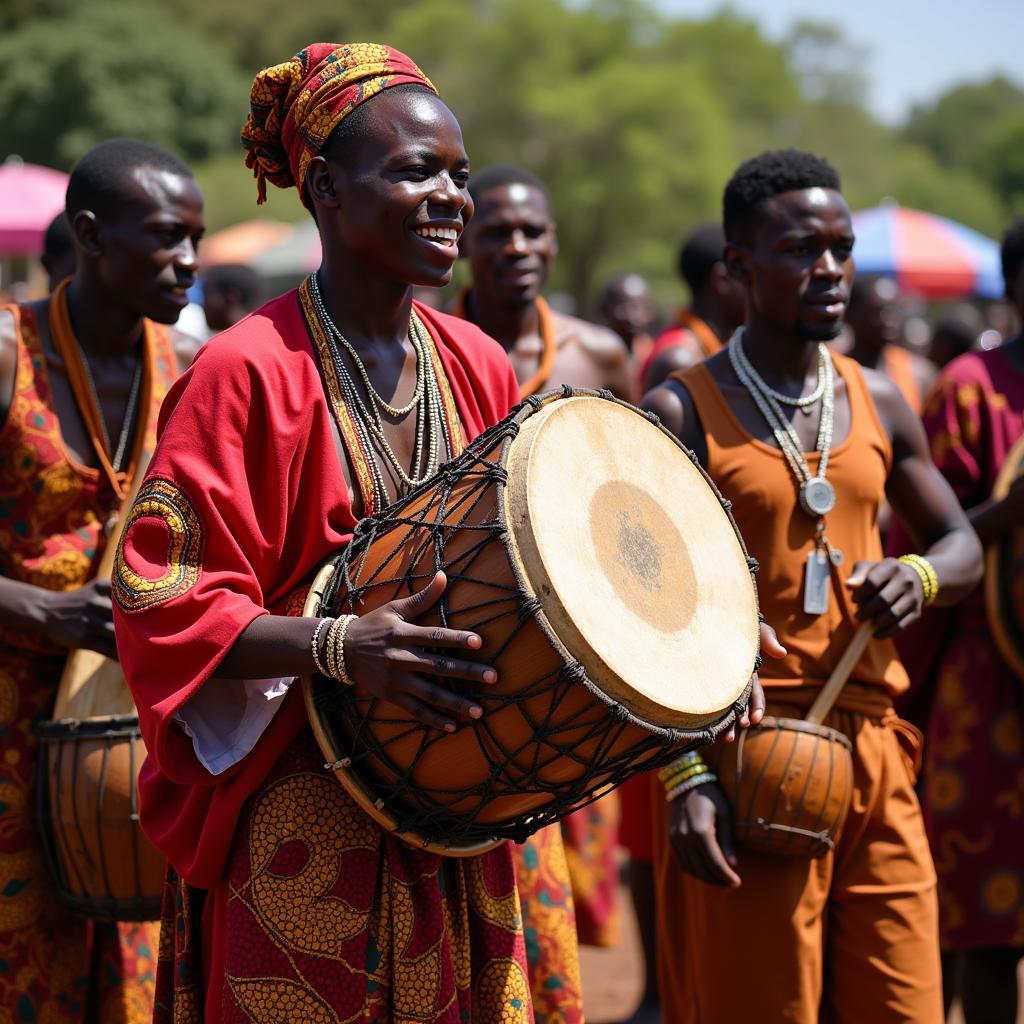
{"x": 925, "y": 254}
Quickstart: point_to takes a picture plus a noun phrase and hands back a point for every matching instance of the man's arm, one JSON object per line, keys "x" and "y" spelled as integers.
{"x": 672, "y": 404}
{"x": 889, "y": 592}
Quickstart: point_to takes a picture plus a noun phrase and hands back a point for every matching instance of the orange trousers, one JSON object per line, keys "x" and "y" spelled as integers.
{"x": 851, "y": 938}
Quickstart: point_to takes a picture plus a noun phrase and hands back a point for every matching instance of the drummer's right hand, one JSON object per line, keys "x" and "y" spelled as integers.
{"x": 386, "y": 654}
{"x": 81, "y": 618}
{"x": 700, "y": 830}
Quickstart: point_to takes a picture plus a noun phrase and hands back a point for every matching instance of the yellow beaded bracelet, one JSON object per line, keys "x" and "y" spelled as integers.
{"x": 679, "y": 764}
{"x": 927, "y": 574}
{"x": 690, "y": 773}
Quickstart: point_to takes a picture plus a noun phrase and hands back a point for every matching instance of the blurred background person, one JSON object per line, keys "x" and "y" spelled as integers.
{"x": 875, "y": 319}
{"x": 58, "y": 257}
{"x": 230, "y": 292}
{"x": 716, "y": 309}
{"x": 955, "y": 334}
{"x": 627, "y": 307}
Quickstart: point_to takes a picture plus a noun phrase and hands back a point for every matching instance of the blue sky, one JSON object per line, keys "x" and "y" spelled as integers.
{"x": 916, "y": 49}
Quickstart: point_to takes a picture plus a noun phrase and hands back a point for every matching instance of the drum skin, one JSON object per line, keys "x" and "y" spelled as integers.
{"x": 789, "y": 784}
{"x": 102, "y": 863}
{"x": 551, "y": 737}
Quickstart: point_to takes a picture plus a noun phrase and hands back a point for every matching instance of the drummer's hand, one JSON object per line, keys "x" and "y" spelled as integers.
{"x": 385, "y": 653}
{"x": 700, "y": 830}
{"x": 81, "y": 618}
{"x": 888, "y": 594}
{"x": 754, "y": 711}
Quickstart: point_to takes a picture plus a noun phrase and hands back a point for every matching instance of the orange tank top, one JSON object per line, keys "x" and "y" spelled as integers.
{"x": 756, "y": 478}
{"x": 898, "y": 365}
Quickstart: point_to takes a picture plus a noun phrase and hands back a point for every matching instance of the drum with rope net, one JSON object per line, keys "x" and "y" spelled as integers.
{"x": 615, "y": 600}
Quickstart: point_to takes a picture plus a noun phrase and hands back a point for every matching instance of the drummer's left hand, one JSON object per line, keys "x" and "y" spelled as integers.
{"x": 754, "y": 711}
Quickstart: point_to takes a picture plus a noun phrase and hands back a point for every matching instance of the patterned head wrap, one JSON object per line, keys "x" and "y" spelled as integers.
{"x": 296, "y": 105}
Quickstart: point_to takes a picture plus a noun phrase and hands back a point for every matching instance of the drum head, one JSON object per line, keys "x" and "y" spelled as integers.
{"x": 1004, "y": 574}
{"x": 637, "y": 566}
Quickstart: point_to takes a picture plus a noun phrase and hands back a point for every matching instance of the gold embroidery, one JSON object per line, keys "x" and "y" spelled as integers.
{"x": 164, "y": 501}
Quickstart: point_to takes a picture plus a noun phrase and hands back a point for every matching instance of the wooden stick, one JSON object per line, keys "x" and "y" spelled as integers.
{"x": 831, "y": 690}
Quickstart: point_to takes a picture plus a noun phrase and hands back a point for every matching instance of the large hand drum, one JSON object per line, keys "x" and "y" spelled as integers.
{"x": 614, "y": 598}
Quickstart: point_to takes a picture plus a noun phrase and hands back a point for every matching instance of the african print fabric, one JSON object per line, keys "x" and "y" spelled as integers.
{"x": 591, "y": 840}
{"x": 324, "y": 918}
{"x": 296, "y": 105}
{"x": 54, "y": 966}
{"x": 549, "y": 925}
{"x": 973, "y": 779}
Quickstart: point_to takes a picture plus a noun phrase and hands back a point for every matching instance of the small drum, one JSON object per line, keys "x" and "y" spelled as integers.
{"x": 1004, "y": 574}
{"x": 615, "y": 601}
{"x": 102, "y": 864}
{"x": 788, "y": 783}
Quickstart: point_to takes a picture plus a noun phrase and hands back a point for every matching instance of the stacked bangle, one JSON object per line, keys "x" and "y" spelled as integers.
{"x": 335, "y": 644}
{"x": 682, "y": 770}
{"x": 926, "y": 571}
{"x": 702, "y": 778}
{"x": 315, "y": 644}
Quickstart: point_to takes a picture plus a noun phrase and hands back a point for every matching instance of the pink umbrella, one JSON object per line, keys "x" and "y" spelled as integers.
{"x": 30, "y": 197}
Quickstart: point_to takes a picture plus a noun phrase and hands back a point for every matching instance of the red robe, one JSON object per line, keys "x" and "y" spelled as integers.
{"x": 244, "y": 500}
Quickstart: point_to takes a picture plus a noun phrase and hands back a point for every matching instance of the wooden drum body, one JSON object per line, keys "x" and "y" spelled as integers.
{"x": 614, "y": 598}
{"x": 1004, "y": 574}
{"x": 103, "y": 865}
{"x": 789, "y": 784}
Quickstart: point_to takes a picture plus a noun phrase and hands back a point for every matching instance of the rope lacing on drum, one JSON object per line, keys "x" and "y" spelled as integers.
{"x": 449, "y": 533}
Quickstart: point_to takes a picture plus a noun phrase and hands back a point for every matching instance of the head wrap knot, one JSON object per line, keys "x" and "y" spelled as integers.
{"x": 296, "y": 105}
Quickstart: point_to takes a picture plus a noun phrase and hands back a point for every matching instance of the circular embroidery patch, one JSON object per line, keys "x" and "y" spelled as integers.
{"x": 164, "y": 532}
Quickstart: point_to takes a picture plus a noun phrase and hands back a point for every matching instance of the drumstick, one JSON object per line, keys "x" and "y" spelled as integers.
{"x": 831, "y": 690}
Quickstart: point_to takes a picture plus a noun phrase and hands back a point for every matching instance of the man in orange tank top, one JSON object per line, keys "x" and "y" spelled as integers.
{"x": 82, "y": 375}
{"x": 852, "y": 936}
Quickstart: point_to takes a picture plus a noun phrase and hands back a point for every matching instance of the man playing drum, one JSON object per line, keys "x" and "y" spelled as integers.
{"x": 82, "y": 376}
{"x": 851, "y": 936}
{"x": 287, "y": 900}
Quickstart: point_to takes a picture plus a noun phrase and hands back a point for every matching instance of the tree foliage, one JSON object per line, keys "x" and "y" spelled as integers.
{"x": 634, "y": 119}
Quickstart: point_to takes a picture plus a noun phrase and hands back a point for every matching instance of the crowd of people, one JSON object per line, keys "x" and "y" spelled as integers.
{"x": 859, "y": 470}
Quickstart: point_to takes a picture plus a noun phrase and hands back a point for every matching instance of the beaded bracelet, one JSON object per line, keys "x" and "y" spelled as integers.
{"x": 315, "y": 644}
{"x": 689, "y": 758}
{"x": 336, "y": 648}
{"x": 928, "y": 576}
{"x": 685, "y": 774}
{"x": 684, "y": 787}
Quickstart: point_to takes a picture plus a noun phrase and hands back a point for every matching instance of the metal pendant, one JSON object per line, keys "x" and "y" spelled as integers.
{"x": 817, "y": 496}
{"x": 816, "y": 583}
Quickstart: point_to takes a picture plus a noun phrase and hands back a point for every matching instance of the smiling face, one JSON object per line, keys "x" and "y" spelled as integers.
{"x": 795, "y": 263}
{"x": 146, "y": 257}
{"x": 394, "y": 194}
{"x": 511, "y": 244}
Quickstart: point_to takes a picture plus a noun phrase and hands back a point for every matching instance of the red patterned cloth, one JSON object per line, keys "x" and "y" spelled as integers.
{"x": 970, "y": 704}
{"x": 296, "y": 105}
{"x": 54, "y": 966}
{"x": 324, "y": 917}
{"x": 231, "y": 522}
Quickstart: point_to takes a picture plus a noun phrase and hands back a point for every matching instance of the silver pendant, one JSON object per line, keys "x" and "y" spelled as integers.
{"x": 817, "y": 496}
{"x": 816, "y": 583}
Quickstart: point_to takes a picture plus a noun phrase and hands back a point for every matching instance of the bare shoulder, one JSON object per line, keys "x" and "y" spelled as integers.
{"x": 602, "y": 344}
{"x": 186, "y": 348}
{"x": 668, "y": 361}
{"x": 672, "y": 403}
{"x": 899, "y": 421}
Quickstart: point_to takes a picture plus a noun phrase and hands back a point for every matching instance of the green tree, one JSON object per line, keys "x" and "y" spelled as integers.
{"x": 955, "y": 126}
{"x": 111, "y": 69}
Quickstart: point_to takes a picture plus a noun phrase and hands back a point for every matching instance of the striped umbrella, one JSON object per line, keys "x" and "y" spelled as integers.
{"x": 927, "y": 255}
